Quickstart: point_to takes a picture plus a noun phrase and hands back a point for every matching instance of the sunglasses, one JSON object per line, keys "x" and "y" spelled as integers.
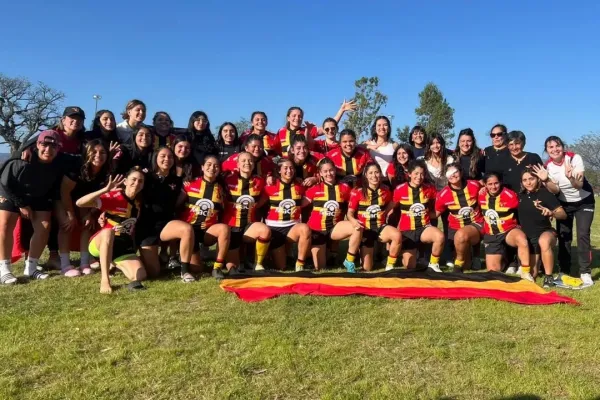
{"x": 493, "y": 135}
{"x": 330, "y": 129}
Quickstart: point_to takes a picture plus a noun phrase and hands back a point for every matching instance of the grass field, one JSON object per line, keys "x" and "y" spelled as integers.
{"x": 61, "y": 339}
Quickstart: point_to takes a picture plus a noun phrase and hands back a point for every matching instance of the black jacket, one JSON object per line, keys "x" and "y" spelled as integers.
{"x": 203, "y": 144}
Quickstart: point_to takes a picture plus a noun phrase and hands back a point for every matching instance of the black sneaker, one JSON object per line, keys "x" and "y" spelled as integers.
{"x": 548, "y": 282}
{"x": 218, "y": 274}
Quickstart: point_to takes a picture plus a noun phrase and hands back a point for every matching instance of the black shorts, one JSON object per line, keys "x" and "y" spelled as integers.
{"x": 370, "y": 237}
{"x": 320, "y": 238}
{"x": 412, "y": 239}
{"x": 452, "y": 232}
{"x": 495, "y": 244}
{"x": 279, "y": 236}
{"x": 198, "y": 238}
{"x": 35, "y": 205}
{"x": 149, "y": 235}
{"x": 534, "y": 242}
{"x": 237, "y": 236}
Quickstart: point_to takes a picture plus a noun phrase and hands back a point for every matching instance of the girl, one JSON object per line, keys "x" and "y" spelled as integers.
{"x": 114, "y": 243}
{"x": 138, "y": 151}
{"x": 324, "y": 146}
{"x": 397, "y": 171}
{"x": 416, "y": 199}
{"x": 295, "y": 117}
{"x": 304, "y": 163}
{"x": 330, "y": 203}
{"x": 465, "y": 220}
{"x": 133, "y": 118}
{"x": 349, "y": 159}
{"x": 270, "y": 140}
{"x": 436, "y": 159}
{"x": 162, "y": 195}
{"x": 469, "y": 155}
{"x": 418, "y": 140}
{"x": 245, "y": 198}
{"x": 576, "y": 196}
{"x": 495, "y": 153}
{"x": 205, "y": 200}
{"x": 104, "y": 127}
{"x": 28, "y": 189}
{"x": 203, "y": 142}
{"x": 163, "y": 130}
{"x": 537, "y": 207}
{"x": 380, "y": 147}
{"x": 263, "y": 166}
{"x": 184, "y": 162}
{"x": 285, "y": 197}
{"x": 498, "y": 205}
{"x": 228, "y": 142}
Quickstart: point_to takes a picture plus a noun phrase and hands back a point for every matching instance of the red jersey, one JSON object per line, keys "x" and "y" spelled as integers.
{"x": 122, "y": 213}
{"x": 163, "y": 141}
{"x": 321, "y": 146}
{"x": 415, "y": 204}
{"x": 244, "y": 195}
{"x": 463, "y": 204}
{"x": 262, "y": 167}
{"x": 285, "y": 137}
{"x": 349, "y": 165}
{"x": 329, "y": 205}
{"x": 499, "y": 211}
{"x": 370, "y": 209}
{"x": 204, "y": 205}
{"x": 69, "y": 144}
{"x": 391, "y": 174}
{"x": 271, "y": 142}
{"x": 284, "y": 201}
{"x": 306, "y": 170}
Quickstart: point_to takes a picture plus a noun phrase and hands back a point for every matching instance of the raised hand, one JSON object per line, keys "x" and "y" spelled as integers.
{"x": 114, "y": 148}
{"x": 114, "y": 182}
{"x": 540, "y": 172}
{"x": 348, "y": 105}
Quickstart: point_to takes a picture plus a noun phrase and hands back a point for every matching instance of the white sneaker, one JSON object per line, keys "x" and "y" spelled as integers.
{"x": 527, "y": 276}
{"x": 435, "y": 267}
{"x": 519, "y": 272}
{"x": 476, "y": 264}
{"x": 389, "y": 267}
{"x": 587, "y": 280}
{"x": 450, "y": 265}
{"x": 299, "y": 269}
{"x": 511, "y": 271}
{"x": 259, "y": 267}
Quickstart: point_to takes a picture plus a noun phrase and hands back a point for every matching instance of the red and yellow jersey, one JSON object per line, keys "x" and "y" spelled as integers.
{"x": 244, "y": 194}
{"x": 263, "y": 167}
{"x": 122, "y": 212}
{"x": 271, "y": 142}
{"x": 463, "y": 204}
{"x": 321, "y": 146}
{"x": 499, "y": 211}
{"x": 163, "y": 141}
{"x": 330, "y": 203}
{"x": 204, "y": 204}
{"x": 391, "y": 174}
{"x": 306, "y": 170}
{"x": 284, "y": 203}
{"x": 285, "y": 137}
{"x": 370, "y": 210}
{"x": 415, "y": 205}
{"x": 349, "y": 165}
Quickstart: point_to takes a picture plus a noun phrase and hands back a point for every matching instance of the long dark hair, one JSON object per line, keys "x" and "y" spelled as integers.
{"x": 195, "y": 115}
{"x": 166, "y": 114}
{"x": 443, "y": 151}
{"x": 365, "y": 182}
{"x": 298, "y": 139}
{"x": 221, "y": 142}
{"x": 399, "y": 168}
{"x": 96, "y": 127}
{"x": 475, "y": 152}
{"x": 187, "y": 164}
{"x": 154, "y": 164}
{"x": 86, "y": 168}
{"x": 418, "y": 128}
{"x": 374, "y": 127}
{"x": 289, "y": 111}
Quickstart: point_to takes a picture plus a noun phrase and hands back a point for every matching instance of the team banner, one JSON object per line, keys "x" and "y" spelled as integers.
{"x": 396, "y": 284}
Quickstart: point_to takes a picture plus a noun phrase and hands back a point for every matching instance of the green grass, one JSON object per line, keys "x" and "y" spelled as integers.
{"x": 61, "y": 339}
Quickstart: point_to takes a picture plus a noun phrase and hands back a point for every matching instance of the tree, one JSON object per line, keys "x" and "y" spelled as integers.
{"x": 25, "y": 108}
{"x": 402, "y": 134}
{"x": 369, "y": 101}
{"x": 434, "y": 113}
{"x": 588, "y": 147}
{"x": 242, "y": 125}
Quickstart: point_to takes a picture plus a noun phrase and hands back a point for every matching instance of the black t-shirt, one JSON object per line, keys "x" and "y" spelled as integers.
{"x": 493, "y": 159}
{"x": 531, "y": 219}
{"x": 418, "y": 152}
{"x": 465, "y": 166}
{"x": 512, "y": 170}
{"x": 161, "y": 194}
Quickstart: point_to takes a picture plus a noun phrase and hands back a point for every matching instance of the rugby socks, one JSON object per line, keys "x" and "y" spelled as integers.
{"x": 185, "y": 268}
{"x": 299, "y": 264}
{"x": 84, "y": 258}
{"x": 5, "y": 267}
{"x": 350, "y": 257}
{"x": 217, "y": 265}
{"x": 262, "y": 246}
{"x": 391, "y": 260}
{"x": 65, "y": 262}
{"x": 459, "y": 263}
{"x": 525, "y": 270}
{"x": 434, "y": 259}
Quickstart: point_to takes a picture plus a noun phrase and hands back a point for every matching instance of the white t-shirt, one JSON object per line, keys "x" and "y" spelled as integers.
{"x": 383, "y": 155}
{"x": 556, "y": 172}
{"x": 124, "y": 131}
{"x": 439, "y": 179}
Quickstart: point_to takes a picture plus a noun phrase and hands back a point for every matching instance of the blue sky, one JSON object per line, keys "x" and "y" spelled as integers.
{"x": 532, "y": 65}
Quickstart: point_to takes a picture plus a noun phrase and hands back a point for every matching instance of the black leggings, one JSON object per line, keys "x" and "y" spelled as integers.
{"x": 583, "y": 214}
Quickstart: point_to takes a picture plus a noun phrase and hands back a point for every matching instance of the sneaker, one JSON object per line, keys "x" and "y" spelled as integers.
{"x": 8, "y": 279}
{"x": 173, "y": 263}
{"x": 519, "y": 272}
{"x": 434, "y": 267}
{"x": 476, "y": 264}
{"x": 259, "y": 268}
{"x": 187, "y": 277}
{"x": 511, "y": 271}
{"x": 70, "y": 272}
{"x": 217, "y": 274}
{"x": 450, "y": 265}
{"x": 548, "y": 282}
{"x": 587, "y": 280}
{"x": 457, "y": 270}
{"x": 299, "y": 268}
{"x": 389, "y": 267}
{"x": 86, "y": 269}
{"x": 37, "y": 275}
{"x": 350, "y": 267}
{"x": 527, "y": 276}
{"x": 95, "y": 265}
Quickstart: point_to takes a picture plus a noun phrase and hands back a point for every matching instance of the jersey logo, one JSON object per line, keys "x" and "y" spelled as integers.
{"x": 417, "y": 210}
{"x": 286, "y": 206}
{"x": 330, "y": 208}
{"x": 244, "y": 202}
{"x": 465, "y": 212}
{"x": 373, "y": 210}
{"x": 492, "y": 217}
{"x": 126, "y": 226}
{"x": 204, "y": 207}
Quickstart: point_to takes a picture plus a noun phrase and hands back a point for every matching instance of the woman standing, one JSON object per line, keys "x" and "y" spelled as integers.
{"x": 228, "y": 142}
{"x": 203, "y": 142}
{"x": 495, "y": 153}
{"x": 184, "y": 162}
{"x": 270, "y": 140}
{"x": 380, "y": 147}
{"x": 349, "y": 159}
{"x": 104, "y": 127}
{"x": 418, "y": 140}
{"x": 397, "y": 171}
{"x": 137, "y": 152}
{"x": 437, "y": 159}
{"x": 133, "y": 118}
{"x": 516, "y": 161}
{"x": 576, "y": 196}
{"x": 469, "y": 155}
{"x": 324, "y": 146}
{"x": 163, "y": 130}
{"x": 293, "y": 126}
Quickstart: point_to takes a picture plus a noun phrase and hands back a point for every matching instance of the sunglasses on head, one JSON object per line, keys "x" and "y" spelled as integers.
{"x": 493, "y": 135}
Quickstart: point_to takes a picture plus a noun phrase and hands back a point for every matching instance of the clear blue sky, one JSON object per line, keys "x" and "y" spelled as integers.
{"x": 532, "y": 65}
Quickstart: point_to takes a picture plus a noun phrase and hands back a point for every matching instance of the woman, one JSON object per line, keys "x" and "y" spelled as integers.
{"x": 380, "y": 147}
{"x": 324, "y": 146}
{"x": 516, "y": 161}
{"x": 330, "y": 203}
{"x": 103, "y": 127}
{"x": 184, "y": 162}
{"x": 469, "y": 155}
{"x": 397, "y": 171}
{"x": 349, "y": 159}
{"x": 576, "y": 196}
{"x": 163, "y": 130}
{"x": 416, "y": 199}
{"x": 263, "y": 166}
{"x": 418, "y": 140}
{"x": 245, "y": 198}
{"x": 495, "y": 153}
{"x": 270, "y": 140}
{"x": 28, "y": 189}
{"x": 285, "y": 198}
{"x": 162, "y": 196}
{"x": 465, "y": 221}
{"x": 367, "y": 210}
{"x": 133, "y": 118}
{"x": 90, "y": 177}
{"x": 203, "y": 142}
{"x": 115, "y": 243}
{"x": 537, "y": 207}
{"x": 436, "y": 159}
{"x": 205, "y": 200}
{"x": 304, "y": 163}
{"x": 228, "y": 142}
{"x": 498, "y": 205}
{"x": 295, "y": 118}
{"x": 138, "y": 151}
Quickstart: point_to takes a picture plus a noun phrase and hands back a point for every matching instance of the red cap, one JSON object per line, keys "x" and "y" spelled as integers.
{"x": 50, "y": 136}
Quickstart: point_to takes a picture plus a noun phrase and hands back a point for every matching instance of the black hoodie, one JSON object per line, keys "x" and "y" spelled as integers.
{"x": 203, "y": 144}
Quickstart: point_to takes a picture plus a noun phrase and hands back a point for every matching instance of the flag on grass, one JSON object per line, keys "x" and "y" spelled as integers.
{"x": 397, "y": 284}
